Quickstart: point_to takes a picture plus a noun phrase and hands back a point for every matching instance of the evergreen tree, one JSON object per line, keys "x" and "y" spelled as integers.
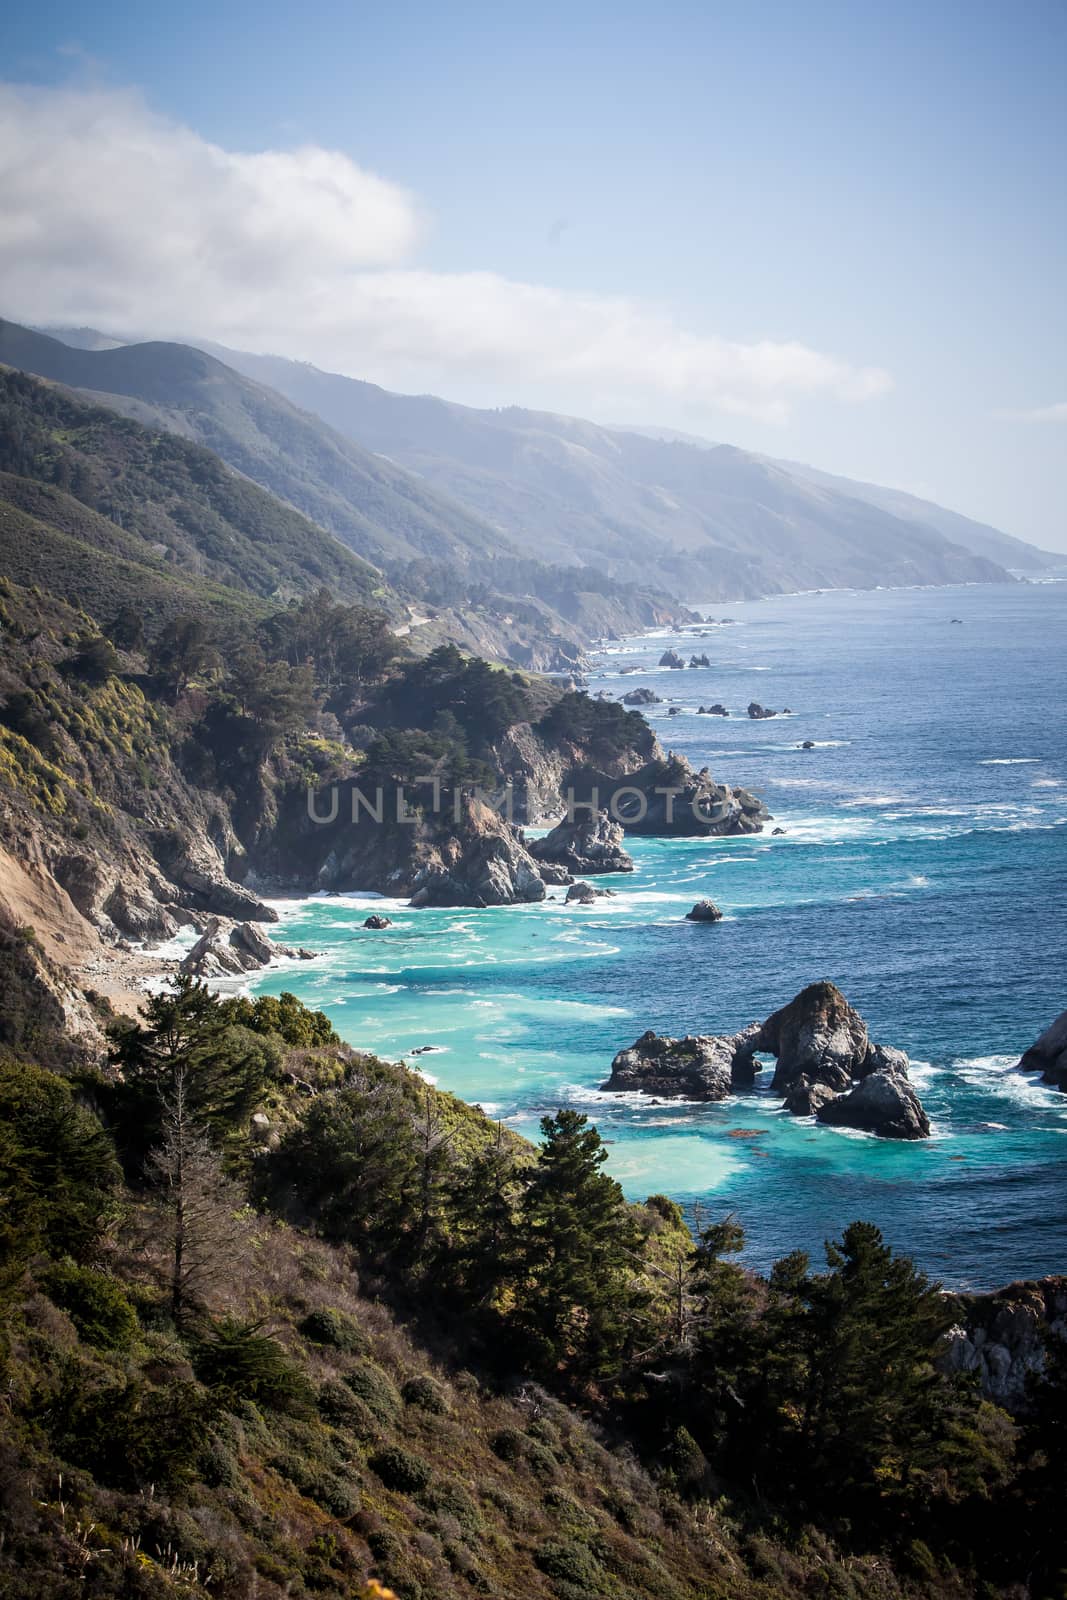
{"x": 577, "y": 1300}
{"x": 484, "y": 1247}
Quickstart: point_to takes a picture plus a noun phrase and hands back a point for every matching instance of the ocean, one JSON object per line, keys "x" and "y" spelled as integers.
{"x": 923, "y": 868}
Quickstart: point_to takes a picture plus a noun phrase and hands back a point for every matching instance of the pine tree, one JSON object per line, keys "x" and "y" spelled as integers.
{"x": 578, "y": 1299}
{"x": 484, "y": 1248}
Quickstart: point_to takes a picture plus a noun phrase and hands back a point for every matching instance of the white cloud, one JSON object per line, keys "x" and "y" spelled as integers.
{"x": 113, "y": 216}
{"x": 1053, "y": 413}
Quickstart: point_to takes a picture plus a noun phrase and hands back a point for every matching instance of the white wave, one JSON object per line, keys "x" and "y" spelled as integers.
{"x": 1046, "y": 783}
{"x": 876, "y": 800}
{"x": 1009, "y": 761}
{"x": 997, "y": 1075}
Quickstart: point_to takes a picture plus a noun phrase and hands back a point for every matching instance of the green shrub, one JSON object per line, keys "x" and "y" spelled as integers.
{"x": 571, "y": 1562}
{"x": 234, "y": 1358}
{"x": 98, "y": 1306}
{"x": 399, "y": 1469}
{"x": 566, "y": 1513}
{"x": 336, "y": 1329}
{"x": 426, "y": 1394}
{"x": 376, "y": 1389}
{"x": 509, "y": 1444}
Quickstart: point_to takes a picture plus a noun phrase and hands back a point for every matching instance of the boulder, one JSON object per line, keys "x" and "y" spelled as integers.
{"x": 1048, "y": 1055}
{"x": 584, "y": 894}
{"x": 671, "y": 658}
{"x": 808, "y": 744}
{"x": 701, "y": 1067}
{"x": 641, "y": 697}
{"x": 1001, "y": 1338}
{"x": 211, "y": 957}
{"x": 758, "y": 712}
{"x": 699, "y": 661}
{"x": 884, "y": 1103}
{"x": 674, "y": 711}
{"x": 717, "y": 710}
{"x": 221, "y": 898}
{"x": 376, "y": 921}
{"x": 584, "y": 846}
{"x": 704, "y": 911}
{"x": 776, "y": 831}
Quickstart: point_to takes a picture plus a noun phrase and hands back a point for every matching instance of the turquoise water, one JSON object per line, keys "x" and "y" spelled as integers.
{"x": 923, "y": 869}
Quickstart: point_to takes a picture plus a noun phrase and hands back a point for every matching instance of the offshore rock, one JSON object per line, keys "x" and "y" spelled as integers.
{"x": 804, "y": 1097}
{"x": 553, "y": 874}
{"x": 700, "y": 1067}
{"x": 584, "y": 894}
{"x": 377, "y": 921}
{"x": 1048, "y": 1055}
{"x": 641, "y": 697}
{"x": 584, "y": 846}
{"x": 704, "y": 911}
{"x": 671, "y": 658}
{"x": 758, "y": 712}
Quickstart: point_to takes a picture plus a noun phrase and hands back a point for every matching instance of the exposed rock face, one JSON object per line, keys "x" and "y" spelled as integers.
{"x": 1001, "y": 1337}
{"x": 704, "y": 911}
{"x": 481, "y": 865}
{"x": 717, "y": 710}
{"x": 702, "y": 1067}
{"x": 221, "y": 898}
{"x": 699, "y": 661}
{"x": 584, "y": 894}
{"x": 586, "y": 845}
{"x": 641, "y": 697}
{"x": 1049, "y": 1054}
{"x": 817, "y": 1035}
{"x": 671, "y": 658}
{"x": 826, "y": 1066}
{"x": 758, "y": 712}
{"x": 377, "y": 921}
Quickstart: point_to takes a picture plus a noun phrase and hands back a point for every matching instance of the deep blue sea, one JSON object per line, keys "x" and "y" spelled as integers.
{"x": 923, "y": 869}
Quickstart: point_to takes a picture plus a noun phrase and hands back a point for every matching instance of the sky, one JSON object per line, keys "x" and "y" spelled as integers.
{"x": 829, "y": 232}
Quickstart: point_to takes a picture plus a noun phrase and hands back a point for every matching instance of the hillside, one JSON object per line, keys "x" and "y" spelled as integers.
{"x": 703, "y": 522}
{"x": 480, "y": 589}
{"x": 159, "y": 499}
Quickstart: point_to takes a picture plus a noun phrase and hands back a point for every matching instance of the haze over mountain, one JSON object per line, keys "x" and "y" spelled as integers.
{"x": 700, "y": 519}
{"x": 451, "y": 483}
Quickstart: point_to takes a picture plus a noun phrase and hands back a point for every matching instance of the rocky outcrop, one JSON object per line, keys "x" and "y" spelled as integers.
{"x": 220, "y": 897}
{"x": 826, "y": 1066}
{"x": 717, "y": 710}
{"x": 699, "y": 661}
{"x": 758, "y": 713}
{"x": 223, "y": 951}
{"x": 698, "y": 1067}
{"x": 671, "y": 658}
{"x": 704, "y": 911}
{"x": 1048, "y": 1055}
{"x": 666, "y": 797}
{"x": 584, "y": 846}
{"x": 641, "y": 697}
{"x": 377, "y": 921}
{"x": 1001, "y": 1338}
{"x": 584, "y": 894}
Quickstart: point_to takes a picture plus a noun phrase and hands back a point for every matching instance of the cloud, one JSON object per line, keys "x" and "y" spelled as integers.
{"x": 1053, "y": 413}
{"x": 113, "y": 216}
